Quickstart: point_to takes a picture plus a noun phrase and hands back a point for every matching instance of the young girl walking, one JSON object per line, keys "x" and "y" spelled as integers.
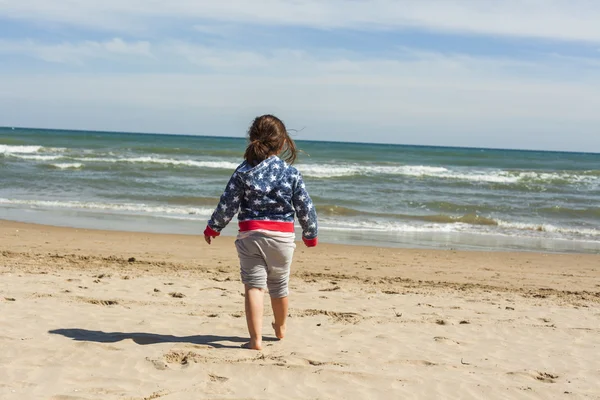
{"x": 268, "y": 192}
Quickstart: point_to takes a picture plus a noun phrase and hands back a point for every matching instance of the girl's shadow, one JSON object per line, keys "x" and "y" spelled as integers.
{"x": 150, "y": 338}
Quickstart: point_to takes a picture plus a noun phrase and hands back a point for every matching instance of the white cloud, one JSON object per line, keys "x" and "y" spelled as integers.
{"x": 213, "y": 57}
{"x": 550, "y": 19}
{"x": 76, "y": 53}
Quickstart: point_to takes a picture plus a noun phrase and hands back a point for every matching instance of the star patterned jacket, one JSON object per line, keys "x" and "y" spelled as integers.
{"x": 267, "y": 196}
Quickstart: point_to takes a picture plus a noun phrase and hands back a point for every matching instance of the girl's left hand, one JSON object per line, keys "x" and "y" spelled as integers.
{"x": 207, "y": 238}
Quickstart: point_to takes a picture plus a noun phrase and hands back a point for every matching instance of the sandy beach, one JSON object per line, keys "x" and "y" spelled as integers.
{"x": 114, "y": 315}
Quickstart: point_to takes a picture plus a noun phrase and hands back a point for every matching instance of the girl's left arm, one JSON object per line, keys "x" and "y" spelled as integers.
{"x": 306, "y": 212}
{"x": 229, "y": 205}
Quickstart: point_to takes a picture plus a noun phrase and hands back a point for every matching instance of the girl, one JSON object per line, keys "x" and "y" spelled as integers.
{"x": 267, "y": 192}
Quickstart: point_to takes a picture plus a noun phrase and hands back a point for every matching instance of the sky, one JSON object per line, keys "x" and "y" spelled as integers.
{"x": 478, "y": 73}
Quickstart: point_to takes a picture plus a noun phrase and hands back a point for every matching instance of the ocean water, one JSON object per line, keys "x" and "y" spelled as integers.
{"x": 371, "y": 194}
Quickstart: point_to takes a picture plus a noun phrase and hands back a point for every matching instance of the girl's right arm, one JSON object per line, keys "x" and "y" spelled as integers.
{"x": 229, "y": 205}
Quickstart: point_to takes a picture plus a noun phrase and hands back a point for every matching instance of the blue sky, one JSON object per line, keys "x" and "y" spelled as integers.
{"x": 486, "y": 73}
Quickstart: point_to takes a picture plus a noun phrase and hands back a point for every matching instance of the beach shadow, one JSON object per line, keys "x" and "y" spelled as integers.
{"x": 141, "y": 338}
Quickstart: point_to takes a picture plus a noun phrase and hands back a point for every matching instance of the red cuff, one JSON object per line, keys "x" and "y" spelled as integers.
{"x": 211, "y": 232}
{"x": 310, "y": 242}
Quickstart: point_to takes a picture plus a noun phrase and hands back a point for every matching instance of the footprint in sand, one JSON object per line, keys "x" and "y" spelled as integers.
{"x": 159, "y": 365}
{"x": 332, "y": 289}
{"x": 217, "y": 378}
{"x": 443, "y": 339}
{"x": 102, "y": 302}
{"x": 322, "y": 363}
{"x": 183, "y": 357}
{"x": 340, "y": 317}
{"x": 545, "y": 377}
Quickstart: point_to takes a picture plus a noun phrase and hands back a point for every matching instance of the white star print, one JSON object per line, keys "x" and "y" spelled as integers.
{"x": 223, "y": 207}
{"x": 287, "y": 185}
{"x": 305, "y": 218}
{"x": 260, "y": 176}
{"x": 236, "y": 199}
{"x": 267, "y": 188}
{"x": 302, "y": 197}
{"x": 309, "y": 206}
{"x": 273, "y": 178}
{"x": 232, "y": 186}
{"x": 280, "y": 209}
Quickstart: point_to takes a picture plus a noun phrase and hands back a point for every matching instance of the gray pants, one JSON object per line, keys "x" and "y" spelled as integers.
{"x": 265, "y": 263}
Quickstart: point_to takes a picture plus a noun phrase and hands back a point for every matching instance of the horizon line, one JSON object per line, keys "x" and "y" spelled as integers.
{"x": 298, "y": 140}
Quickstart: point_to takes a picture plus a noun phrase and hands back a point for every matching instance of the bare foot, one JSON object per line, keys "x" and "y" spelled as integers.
{"x": 279, "y": 330}
{"x": 253, "y": 345}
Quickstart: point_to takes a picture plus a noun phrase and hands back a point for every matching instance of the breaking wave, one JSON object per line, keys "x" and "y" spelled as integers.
{"x": 116, "y": 207}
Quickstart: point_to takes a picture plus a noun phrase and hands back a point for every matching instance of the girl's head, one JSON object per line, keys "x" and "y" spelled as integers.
{"x": 268, "y": 137}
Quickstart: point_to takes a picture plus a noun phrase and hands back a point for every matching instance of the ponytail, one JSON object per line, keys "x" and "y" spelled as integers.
{"x": 256, "y": 152}
{"x": 268, "y": 137}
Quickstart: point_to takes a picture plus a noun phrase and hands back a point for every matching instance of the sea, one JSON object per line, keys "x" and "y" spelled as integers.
{"x": 366, "y": 194}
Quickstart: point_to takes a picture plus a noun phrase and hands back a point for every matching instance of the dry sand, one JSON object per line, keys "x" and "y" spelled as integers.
{"x": 113, "y": 315}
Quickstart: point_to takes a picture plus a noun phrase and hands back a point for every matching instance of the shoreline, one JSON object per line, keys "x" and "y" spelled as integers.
{"x": 461, "y": 241}
{"x": 503, "y": 270}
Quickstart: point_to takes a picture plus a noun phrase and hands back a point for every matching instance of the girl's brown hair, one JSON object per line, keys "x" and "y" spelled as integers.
{"x": 268, "y": 136}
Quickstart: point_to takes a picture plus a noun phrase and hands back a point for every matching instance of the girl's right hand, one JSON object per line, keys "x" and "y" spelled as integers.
{"x": 210, "y": 234}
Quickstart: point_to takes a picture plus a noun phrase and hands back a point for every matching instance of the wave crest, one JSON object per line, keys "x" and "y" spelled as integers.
{"x": 118, "y": 207}
{"x": 67, "y": 165}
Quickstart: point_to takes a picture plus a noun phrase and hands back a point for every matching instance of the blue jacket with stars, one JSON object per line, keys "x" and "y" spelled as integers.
{"x": 267, "y": 196}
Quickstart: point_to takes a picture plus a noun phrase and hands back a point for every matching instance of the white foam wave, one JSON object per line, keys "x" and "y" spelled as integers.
{"x": 503, "y": 228}
{"x": 165, "y": 161}
{"x": 118, "y": 207}
{"x": 383, "y": 227}
{"x": 549, "y": 228}
{"x": 332, "y": 171}
{"x": 8, "y": 149}
{"x": 18, "y": 149}
{"x": 485, "y": 176}
{"x": 37, "y": 157}
{"x": 68, "y": 165}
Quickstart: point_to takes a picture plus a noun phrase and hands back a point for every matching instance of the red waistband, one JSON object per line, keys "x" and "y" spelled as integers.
{"x": 277, "y": 226}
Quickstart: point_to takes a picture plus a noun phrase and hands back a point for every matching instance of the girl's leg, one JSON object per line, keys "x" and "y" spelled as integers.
{"x": 254, "y": 302}
{"x": 280, "y": 312}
